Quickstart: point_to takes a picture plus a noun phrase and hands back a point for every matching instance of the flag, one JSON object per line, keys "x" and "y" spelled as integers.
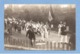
{"x": 50, "y": 18}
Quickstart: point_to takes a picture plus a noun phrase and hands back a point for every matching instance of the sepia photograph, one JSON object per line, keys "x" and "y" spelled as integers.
{"x": 40, "y": 27}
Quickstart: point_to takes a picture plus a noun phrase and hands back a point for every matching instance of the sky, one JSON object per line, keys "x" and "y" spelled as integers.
{"x": 20, "y": 5}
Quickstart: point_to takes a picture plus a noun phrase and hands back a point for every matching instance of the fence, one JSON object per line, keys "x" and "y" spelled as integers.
{"x": 18, "y": 44}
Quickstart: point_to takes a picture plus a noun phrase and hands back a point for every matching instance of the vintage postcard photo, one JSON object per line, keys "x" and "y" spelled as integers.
{"x": 39, "y": 27}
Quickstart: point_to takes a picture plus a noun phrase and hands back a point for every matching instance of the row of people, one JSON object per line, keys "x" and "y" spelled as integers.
{"x": 40, "y": 28}
{"x": 33, "y": 28}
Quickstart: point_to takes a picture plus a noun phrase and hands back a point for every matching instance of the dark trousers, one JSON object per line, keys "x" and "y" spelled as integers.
{"x": 32, "y": 41}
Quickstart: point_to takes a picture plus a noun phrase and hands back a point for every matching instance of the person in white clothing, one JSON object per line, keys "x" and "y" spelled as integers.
{"x": 59, "y": 28}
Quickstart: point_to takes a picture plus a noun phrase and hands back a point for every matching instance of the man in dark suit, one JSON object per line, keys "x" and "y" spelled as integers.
{"x": 31, "y": 35}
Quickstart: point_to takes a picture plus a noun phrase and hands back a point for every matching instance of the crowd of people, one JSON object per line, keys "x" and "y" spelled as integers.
{"x": 36, "y": 28}
{"x": 31, "y": 28}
